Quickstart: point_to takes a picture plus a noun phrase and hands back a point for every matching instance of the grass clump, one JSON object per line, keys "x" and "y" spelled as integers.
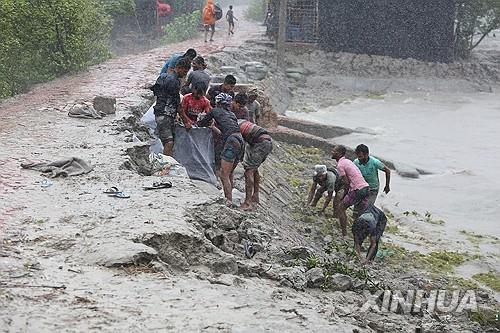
{"x": 490, "y": 279}
{"x": 443, "y": 261}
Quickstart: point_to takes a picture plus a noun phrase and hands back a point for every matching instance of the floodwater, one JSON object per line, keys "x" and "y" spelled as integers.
{"x": 454, "y": 136}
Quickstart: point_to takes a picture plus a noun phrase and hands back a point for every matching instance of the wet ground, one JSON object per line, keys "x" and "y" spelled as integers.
{"x": 73, "y": 259}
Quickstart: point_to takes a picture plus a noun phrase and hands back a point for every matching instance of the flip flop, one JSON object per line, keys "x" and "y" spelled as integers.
{"x": 112, "y": 190}
{"x": 120, "y": 195}
{"x": 158, "y": 185}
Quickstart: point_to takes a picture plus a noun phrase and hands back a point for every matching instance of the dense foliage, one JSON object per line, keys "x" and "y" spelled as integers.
{"x": 183, "y": 27}
{"x": 116, "y": 8}
{"x": 256, "y": 10}
{"x": 41, "y": 39}
{"x": 475, "y": 19}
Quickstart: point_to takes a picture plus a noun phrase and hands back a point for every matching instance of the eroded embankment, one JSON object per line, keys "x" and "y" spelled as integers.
{"x": 174, "y": 260}
{"x": 298, "y": 248}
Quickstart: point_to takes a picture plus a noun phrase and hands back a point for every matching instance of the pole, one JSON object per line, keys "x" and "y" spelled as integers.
{"x": 281, "y": 33}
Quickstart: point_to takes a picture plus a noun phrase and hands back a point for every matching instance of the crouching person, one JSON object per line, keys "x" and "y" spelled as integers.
{"x": 327, "y": 181}
{"x": 371, "y": 223}
{"x": 259, "y": 146}
{"x": 227, "y": 125}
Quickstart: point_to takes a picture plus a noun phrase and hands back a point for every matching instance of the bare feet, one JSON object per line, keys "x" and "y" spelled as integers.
{"x": 246, "y": 206}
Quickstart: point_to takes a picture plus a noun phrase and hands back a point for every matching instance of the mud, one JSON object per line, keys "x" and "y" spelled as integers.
{"x": 75, "y": 259}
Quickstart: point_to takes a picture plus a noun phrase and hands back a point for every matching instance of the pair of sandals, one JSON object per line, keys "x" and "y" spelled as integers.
{"x": 115, "y": 192}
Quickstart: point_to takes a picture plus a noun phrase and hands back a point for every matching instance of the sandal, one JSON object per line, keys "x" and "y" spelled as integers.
{"x": 120, "y": 195}
{"x": 112, "y": 190}
{"x": 158, "y": 185}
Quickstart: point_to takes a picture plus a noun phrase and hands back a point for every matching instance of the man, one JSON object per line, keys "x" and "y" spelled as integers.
{"x": 194, "y": 105}
{"x": 369, "y": 167}
{"x": 369, "y": 224}
{"x": 358, "y": 187}
{"x": 253, "y": 106}
{"x": 209, "y": 19}
{"x": 230, "y": 20}
{"x": 197, "y": 75}
{"x": 227, "y": 87}
{"x": 170, "y": 64}
{"x": 238, "y": 106}
{"x": 227, "y": 125}
{"x": 258, "y": 146}
{"x": 327, "y": 181}
{"x": 166, "y": 89}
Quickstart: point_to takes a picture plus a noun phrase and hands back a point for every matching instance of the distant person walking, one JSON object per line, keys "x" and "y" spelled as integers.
{"x": 230, "y": 20}
{"x": 209, "y": 19}
{"x": 369, "y": 167}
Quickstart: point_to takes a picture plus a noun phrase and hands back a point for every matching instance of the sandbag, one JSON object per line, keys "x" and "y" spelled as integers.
{"x": 194, "y": 149}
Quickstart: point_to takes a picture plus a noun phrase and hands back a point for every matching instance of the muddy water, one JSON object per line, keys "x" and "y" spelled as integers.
{"x": 454, "y": 136}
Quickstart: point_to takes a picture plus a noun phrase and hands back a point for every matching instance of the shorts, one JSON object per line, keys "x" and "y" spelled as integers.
{"x": 372, "y": 196}
{"x": 165, "y": 128}
{"x": 357, "y": 197}
{"x": 210, "y": 26}
{"x": 256, "y": 154}
{"x": 232, "y": 148}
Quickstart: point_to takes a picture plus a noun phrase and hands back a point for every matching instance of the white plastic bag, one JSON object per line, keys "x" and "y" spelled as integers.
{"x": 164, "y": 165}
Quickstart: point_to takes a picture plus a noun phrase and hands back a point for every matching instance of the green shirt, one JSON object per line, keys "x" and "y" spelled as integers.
{"x": 370, "y": 171}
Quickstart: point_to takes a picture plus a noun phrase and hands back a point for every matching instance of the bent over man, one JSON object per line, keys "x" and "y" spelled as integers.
{"x": 259, "y": 146}
{"x": 232, "y": 141}
{"x": 327, "y": 181}
{"x": 166, "y": 89}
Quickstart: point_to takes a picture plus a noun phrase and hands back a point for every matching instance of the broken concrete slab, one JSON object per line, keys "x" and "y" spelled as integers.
{"x": 315, "y": 277}
{"x": 106, "y": 104}
{"x": 340, "y": 282}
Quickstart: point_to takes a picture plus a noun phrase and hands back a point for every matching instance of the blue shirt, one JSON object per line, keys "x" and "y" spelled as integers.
{"x": 370, "y": 171}
{"x": 171, "y": 62}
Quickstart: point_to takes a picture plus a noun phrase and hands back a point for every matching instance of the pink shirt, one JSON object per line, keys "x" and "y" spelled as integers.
{"x": 347, "y": 168}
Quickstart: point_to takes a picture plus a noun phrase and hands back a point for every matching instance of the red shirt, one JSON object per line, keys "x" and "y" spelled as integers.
{"x": 193, "y": 107}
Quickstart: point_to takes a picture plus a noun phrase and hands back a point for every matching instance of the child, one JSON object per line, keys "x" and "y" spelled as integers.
{"x": 230, "y": 19}
{"x": 194, "y": 104}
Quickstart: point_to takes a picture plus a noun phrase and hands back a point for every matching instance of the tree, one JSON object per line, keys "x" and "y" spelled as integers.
{"x": 42, "y": 39}
{"x": 475, "y": 19}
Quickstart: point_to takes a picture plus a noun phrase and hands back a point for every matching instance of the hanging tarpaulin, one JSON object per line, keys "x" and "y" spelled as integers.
{"x": 194, "y": 149}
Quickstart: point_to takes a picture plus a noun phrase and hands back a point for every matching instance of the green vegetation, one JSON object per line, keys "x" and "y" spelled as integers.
{"x": 43, "y": 39}
{"x": 347, "y": 266}
{"x": 116, "y": 8}
{"x": 443, "y": 261}
{"x": 490, "y": 279}
{"x": 476, "y": 239}
{"x": 256, "y": 10}
{"x": 486, "y": 317}
{"x": 182, "y": 27}
{"x": 475, "y": 19}
{"x": 427, "y": 217}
